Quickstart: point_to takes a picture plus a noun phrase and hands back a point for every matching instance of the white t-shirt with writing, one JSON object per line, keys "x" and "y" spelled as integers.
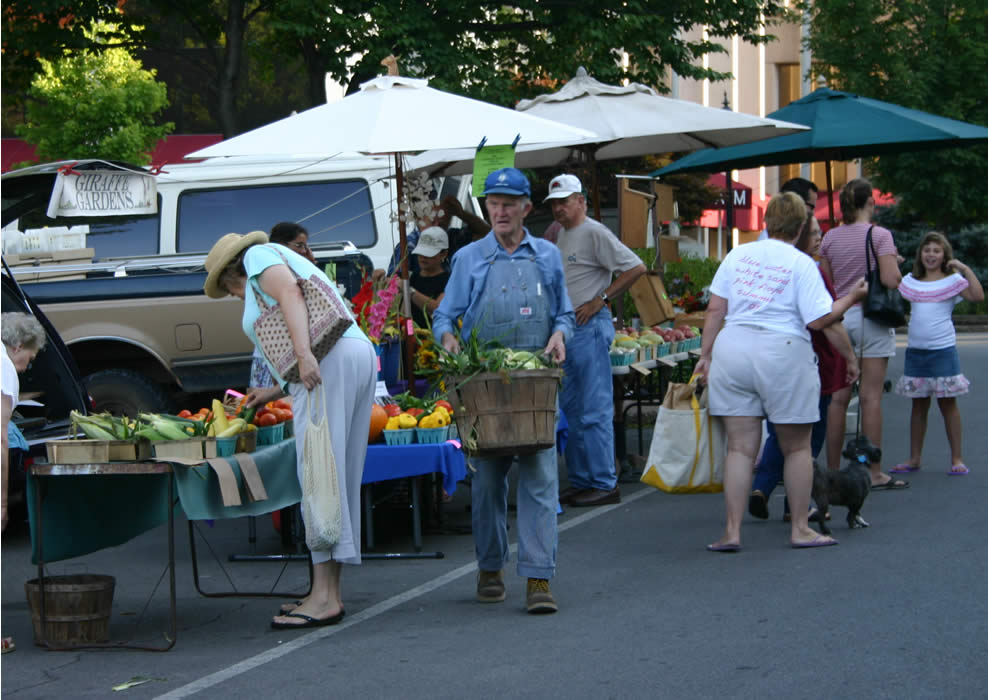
{"x": 772, "y": 285}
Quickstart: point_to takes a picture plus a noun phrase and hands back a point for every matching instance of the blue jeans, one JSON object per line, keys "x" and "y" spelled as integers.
{"x": 771, "y": 465}
{"x": 587, "y": 399}
{"x": 538, "y": 492}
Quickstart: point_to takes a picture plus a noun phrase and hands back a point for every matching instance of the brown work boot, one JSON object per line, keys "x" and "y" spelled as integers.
{"x": 490, "y": 586}
{"x": 540, "y": 600}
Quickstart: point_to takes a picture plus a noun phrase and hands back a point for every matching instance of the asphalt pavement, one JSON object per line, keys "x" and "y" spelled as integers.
{"x": 897, "y": 610}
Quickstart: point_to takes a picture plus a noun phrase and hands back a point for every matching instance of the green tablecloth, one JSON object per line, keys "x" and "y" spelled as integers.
{"x": 83, "y": 514}
{"x": 199, "y": 490}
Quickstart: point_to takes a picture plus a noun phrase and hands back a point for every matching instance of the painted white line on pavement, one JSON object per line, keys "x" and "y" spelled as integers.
{"x": 299, "y": 642}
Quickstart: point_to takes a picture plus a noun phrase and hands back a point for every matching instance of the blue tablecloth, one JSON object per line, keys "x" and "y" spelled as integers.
{"x": 399, "y": 461}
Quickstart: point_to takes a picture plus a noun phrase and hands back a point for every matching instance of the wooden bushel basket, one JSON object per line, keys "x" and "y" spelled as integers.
{"x": 509, "y": 413}
{"x": 77, "y": 608}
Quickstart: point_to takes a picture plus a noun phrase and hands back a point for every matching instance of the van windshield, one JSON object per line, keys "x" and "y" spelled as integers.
{"x": 331, "y": 211}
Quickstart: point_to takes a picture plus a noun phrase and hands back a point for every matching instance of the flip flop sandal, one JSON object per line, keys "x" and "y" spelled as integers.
{"x": 309, "y": 621}
{"x": 903, "y": 469}
{"x": 288, "y": 607}
{"x": 892, "y": 484}
{"x": 958, "y": 470}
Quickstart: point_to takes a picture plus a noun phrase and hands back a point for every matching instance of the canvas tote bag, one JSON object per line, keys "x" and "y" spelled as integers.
{"x": 688, "y": 445}
{"x": 321, "y": 509}
{"x": 328, "y": 321}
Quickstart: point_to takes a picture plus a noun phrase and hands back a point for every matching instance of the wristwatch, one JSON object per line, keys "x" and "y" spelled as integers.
{"x": 603, "y": 297}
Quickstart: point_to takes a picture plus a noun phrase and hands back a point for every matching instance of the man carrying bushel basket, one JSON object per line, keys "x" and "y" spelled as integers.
{"x": 510, "y": 287}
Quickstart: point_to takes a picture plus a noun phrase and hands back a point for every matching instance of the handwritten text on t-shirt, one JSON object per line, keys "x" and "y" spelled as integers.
{"x": 756, "y": 286}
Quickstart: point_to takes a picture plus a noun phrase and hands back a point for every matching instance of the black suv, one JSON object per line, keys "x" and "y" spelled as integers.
{"x": 52, "y": 380}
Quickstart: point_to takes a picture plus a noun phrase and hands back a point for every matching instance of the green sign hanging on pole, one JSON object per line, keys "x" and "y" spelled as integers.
{"x": 487, "y": 160}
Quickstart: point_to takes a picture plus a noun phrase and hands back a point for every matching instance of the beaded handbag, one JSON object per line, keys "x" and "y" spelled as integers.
{"x": 329, "y": 319}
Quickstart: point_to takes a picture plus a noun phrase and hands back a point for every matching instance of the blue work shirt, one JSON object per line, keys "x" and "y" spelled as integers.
{"x": 469, "y": 274}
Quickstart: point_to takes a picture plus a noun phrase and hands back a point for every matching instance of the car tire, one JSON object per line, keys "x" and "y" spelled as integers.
{"x": 124, "y": 392}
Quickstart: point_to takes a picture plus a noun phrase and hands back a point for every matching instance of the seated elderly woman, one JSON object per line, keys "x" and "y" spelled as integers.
{"x": 761, "y": 363}
{"x": 23, "y": 338}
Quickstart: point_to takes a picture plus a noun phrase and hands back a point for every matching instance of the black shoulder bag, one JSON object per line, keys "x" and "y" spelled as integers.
{"x": 881, "y": 305}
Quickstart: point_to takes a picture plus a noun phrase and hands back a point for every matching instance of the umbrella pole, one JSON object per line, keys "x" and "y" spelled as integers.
{"x": 830, "y": 194}
{"x": 406, "y": 299}
{"x": 594, "y": 183}
{"x": 729, "y": 207}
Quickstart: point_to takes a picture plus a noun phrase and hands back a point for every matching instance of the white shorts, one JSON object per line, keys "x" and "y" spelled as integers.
{"x": 879, "y": 340}
{"x": 757, "y": 372}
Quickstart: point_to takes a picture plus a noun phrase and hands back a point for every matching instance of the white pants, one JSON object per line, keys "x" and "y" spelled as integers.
{"x": 349, "y": 377}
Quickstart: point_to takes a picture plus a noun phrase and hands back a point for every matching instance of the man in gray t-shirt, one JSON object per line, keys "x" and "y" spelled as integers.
{"x": 592, "y": 256}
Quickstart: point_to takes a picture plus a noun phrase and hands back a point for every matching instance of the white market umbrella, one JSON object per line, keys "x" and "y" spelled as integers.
{"x": 629, "y": 120}
{"x": 394, "y": 114}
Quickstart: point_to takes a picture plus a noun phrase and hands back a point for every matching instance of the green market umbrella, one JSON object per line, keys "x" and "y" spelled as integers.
{"x": 843, "y": 126}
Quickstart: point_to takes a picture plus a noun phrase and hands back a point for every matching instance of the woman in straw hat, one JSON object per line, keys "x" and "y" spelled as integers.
{"x": 245, "y": 266}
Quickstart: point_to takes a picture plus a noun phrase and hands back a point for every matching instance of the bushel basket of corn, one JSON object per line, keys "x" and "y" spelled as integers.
{"x": 504, "y": 400}
{"x": 506, "y": 412}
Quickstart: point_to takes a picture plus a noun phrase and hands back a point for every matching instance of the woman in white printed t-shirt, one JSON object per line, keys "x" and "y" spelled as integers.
{"x": 761, "y": 363}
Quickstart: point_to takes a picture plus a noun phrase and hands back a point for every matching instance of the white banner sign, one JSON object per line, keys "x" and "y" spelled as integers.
{"x": 102, "y": 193}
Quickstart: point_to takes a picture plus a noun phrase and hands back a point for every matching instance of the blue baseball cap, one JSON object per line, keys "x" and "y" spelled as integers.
{"x": 507, "y": 181}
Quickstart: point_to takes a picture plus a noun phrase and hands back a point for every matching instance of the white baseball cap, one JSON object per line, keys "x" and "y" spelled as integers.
{"x": 563, "y": 186}
{"x": 432, "y": 241}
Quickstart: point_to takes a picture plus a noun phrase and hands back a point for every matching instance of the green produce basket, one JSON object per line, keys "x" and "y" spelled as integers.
{"x": 404, "y": 436}
{"x": 270, "y": 434}
{"x": 432, "y": 436}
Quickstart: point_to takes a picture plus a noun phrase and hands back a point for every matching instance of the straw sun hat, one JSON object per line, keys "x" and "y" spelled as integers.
{"x": 223, "y": 252}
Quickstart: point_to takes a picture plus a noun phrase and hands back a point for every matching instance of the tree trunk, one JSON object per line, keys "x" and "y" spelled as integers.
{"x": 315, "y": 74}
{"x": 229, "y": 78}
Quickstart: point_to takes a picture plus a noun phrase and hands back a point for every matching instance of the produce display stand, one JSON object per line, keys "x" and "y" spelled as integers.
{"x": 41, "y": 471}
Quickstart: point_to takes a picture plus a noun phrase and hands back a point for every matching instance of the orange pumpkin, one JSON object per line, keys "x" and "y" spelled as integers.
{"x": 379, "y": 418}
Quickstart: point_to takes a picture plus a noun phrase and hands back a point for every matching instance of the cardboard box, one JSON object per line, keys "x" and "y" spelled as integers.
{"x": 129, "y": 450}
{"x": 179, "y": 449}
{"x": 651, "y": 299}
{"x": 78, "y": 451}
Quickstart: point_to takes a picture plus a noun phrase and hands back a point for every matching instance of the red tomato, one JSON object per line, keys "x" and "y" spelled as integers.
{"x": 288, "y": 414}
{"x": 392, "y": 409}
{"x": 281, "y": 403}
{"x": 445, "y": 404}
{"x": 185, "y": 413}
{"x": 266, "y": 420}
{"x": 415, "y": 411}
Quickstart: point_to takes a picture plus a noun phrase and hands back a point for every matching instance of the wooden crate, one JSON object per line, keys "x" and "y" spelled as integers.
{"x": 506, "y": 414}
{"x": 651, "y": 299}
{"x": 78, "y": 451}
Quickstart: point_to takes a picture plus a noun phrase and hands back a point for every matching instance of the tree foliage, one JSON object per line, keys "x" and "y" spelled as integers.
{"x": 501, "y": 52}
{"x": 94, "y": 105}
{"x": 495, "y": 51}
{"x": 930, "y": 55}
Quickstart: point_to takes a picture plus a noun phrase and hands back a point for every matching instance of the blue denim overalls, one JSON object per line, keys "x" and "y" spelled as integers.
{"x": 515, "y": 306}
